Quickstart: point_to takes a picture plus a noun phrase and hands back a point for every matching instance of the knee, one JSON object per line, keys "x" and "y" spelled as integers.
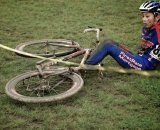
{"x": 109, "y": 42}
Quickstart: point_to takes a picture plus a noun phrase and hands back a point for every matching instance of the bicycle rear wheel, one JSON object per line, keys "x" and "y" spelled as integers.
{"x": 32, "y": 88}
{"x": 49, "y": 47}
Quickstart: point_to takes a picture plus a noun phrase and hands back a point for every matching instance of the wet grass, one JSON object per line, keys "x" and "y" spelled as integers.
{"x": 118, "y": 101}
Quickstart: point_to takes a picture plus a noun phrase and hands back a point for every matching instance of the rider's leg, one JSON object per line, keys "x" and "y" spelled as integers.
{"x": 122, "y": 55}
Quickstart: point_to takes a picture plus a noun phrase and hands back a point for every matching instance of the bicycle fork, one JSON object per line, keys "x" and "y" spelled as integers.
{"x": 87, "y": 53}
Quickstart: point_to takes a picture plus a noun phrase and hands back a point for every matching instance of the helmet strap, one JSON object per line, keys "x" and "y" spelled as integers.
{"x": 155, "y": 14}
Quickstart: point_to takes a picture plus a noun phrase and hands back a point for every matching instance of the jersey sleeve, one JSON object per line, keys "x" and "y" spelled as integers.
{"x": 158, "y": 31}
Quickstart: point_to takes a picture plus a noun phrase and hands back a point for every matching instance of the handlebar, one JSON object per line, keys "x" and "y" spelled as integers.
{"x": 97, "y": 30}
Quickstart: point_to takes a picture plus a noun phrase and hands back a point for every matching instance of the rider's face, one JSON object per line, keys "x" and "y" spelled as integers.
{"x": 148, "y": 19}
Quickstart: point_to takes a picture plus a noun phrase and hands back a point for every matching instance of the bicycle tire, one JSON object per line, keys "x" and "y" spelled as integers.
{"x": 12, "y": 92}
{"x": 34, "y": 47}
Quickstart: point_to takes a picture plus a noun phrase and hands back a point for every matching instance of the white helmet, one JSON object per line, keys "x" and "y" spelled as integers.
{"x": 150, "y": 6}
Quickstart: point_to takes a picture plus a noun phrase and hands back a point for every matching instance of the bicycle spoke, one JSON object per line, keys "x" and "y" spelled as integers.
{"x": 37, "y": 86}
{"x": 57, "y": 85}
{"x": 46, "y": 48}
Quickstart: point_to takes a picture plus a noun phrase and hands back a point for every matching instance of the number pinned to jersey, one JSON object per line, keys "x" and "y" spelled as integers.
{"x": 155, "y": 53}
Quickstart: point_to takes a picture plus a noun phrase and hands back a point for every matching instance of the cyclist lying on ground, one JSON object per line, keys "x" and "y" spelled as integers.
{"x": 148, "y": 56}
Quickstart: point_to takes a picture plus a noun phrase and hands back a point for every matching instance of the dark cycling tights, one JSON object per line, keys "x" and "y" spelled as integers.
{"x": 122, "y": 55}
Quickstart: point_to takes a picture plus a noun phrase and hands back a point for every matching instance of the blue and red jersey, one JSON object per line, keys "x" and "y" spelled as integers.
{"x": 150, "y": 42}
{"x": 158, "y": 30}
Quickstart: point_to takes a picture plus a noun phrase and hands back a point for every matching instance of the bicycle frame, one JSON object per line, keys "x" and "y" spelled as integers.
{"x": 80, "y": 51}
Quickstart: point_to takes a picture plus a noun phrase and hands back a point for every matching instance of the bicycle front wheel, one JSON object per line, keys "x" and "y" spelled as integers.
{"x": 49, "y": 47}
{"x": 32, "y": 88}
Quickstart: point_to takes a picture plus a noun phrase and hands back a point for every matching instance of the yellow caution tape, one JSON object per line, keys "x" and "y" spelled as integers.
{"x": 36, "y": 56}
{"x": 154, "y": 73}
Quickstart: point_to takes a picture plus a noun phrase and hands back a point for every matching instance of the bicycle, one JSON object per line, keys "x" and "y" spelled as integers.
{"x": 50, "y": 83}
